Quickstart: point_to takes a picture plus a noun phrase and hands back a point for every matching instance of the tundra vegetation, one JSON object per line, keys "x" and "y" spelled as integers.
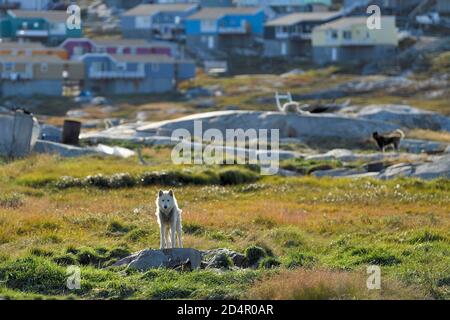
{"x": 313, "y": 238}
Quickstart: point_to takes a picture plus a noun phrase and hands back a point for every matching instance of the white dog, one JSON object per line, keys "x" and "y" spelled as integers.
{"x": 169, "y": 219}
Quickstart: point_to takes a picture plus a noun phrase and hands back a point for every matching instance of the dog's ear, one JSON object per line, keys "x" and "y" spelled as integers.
{"x": 171, "y": 193}
{"x": 160, "y": 193}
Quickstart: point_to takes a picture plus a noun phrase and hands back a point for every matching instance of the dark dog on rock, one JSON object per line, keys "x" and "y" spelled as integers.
{"x": 392, "y": 139}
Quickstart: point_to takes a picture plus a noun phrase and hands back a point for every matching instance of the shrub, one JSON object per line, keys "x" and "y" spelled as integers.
{"x": 236, "y": 176}
{"x": 192, "y": 228}
{"x": 121, "y": 180}
{"x": 426, "y": 236}
{"x": 137, "y": 234}
{"x": 33, "y": 274}
{"x": 66, "y": 259}
{"x": 11, "y": 201}
{"x": 298, "y": 259}
{"x": 98, "y": 180}
{"x": 254, "y": 254}
{"x": 269, "y": 263}
{"x": 115, "y": 227}
{"x": 68, "y": 182}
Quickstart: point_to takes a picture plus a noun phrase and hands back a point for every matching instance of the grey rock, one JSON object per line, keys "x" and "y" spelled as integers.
{"x": 213, "y": 258}
{"x": 423, "y": 146}
{"x": 405, "y": 116}
{"x": 311, "y": 128}
{"x": 375, "y": 166}
{"x": 438, "y": 168}
{"x": 63, "y": 150}
{"x": 397, "y": 170}
{"x": 50, "y": 133}
{"x": 341, "y": 172}
{"x": 166, "y": 258}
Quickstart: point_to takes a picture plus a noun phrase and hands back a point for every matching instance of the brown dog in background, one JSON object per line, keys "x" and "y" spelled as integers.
{"x": 392, "y": 139}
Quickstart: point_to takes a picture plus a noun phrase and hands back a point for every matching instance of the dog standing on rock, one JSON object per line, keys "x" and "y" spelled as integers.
{"x": 393, "y": 139}
{"x": 169, "y": 219}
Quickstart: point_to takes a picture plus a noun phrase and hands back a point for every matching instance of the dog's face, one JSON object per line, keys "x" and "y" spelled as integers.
{"x": 166, "y": 200}
{"x": 375, "y": 134}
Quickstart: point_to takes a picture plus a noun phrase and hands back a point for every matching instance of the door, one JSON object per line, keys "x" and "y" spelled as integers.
{"x": 334, "y": 54}
{"x": 211, "y": 42}
{"x": 283, "y": 48}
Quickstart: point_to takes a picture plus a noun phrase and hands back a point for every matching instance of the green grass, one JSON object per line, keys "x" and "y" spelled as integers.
{"x": 299, "y": 228}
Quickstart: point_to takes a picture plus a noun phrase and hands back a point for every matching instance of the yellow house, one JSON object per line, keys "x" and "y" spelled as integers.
{"x": 351, "y": 40}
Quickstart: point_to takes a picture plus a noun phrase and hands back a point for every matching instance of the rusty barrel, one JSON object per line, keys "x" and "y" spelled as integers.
{"x": 71, "y": 132}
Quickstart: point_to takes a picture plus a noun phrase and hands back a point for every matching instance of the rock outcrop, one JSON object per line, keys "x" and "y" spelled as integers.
{"x": 405, "y": 117}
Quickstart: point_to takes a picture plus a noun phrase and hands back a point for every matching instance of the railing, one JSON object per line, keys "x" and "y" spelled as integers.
{"x": 32, "y": 33}
{"x": 293, "y": 35}
{"x": 354, "y": 42}
{"x": 116, "y": 74}
{"x": 231, "y": 30}
{"x": 16, "y": 76}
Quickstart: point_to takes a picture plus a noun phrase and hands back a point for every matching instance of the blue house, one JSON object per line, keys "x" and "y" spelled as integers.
{"x": 156, "y": 21}
{"x": 133, "y": 74}
{"x": 44, "y": 26}
{"x": 221, "y": 29}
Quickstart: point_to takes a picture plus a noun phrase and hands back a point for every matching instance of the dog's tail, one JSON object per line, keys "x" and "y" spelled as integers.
{"x": 400, "y": 133}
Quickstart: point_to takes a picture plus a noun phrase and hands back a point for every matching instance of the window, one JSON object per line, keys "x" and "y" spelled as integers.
{"x": 24, "y": 25}
{"x": 44, "y": 67}
{"x": 334, "y": 34}
{"x": 208, "y": 26}
{"x": 155, "y": 67}
{"x": 347, "y": 35}
{"x": 121, "y": 66}
{"x": 8, "y": 67}
{"x": 36, "y": 25}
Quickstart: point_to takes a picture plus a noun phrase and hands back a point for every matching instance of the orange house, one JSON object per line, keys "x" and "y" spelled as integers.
{"x": 31, "y": 49}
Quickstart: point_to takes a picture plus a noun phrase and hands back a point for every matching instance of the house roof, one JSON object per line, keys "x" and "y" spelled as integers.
{"x": 36, "y": 59}
{"x": 347, "y": 22}
{"x": 215, "y": 13}
{"x": 50, "y": 15}
{"x": 20, "y": 45}
{"x": 122, "y": 42}
{"x": 141, "y": 58}
{"x": 151, "y": 9}
{"x": 295, "y": 18}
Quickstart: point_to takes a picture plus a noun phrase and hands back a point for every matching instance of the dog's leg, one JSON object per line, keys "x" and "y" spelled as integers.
{"x": 179, "y": 233}
{"x": 168, "y": 237}
{"x": 172, "y": 235}
{"x": 162, "y": 231}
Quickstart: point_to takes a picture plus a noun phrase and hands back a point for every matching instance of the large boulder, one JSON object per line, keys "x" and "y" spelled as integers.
{"x": 166, "y": 258}
{"x": 423, "y": 146}
{"x": 438, "y": 167}
{"x": 315, "y": 129}
{"x": 63, "y": 150}
{"x": 405, "y": 116}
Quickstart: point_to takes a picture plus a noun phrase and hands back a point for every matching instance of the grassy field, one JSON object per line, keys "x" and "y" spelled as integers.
{"x": 323, "y": 232}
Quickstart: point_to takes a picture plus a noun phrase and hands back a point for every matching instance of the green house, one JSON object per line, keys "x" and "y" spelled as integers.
{"x": 45, "y": 26}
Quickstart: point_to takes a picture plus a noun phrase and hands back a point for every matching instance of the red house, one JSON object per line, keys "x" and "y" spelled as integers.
{"x": 76, "y": 47}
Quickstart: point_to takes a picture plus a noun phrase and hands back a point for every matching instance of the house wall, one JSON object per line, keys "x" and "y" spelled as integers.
{"x": 31, "y": 87}
{"x": 387, "y": 35}
{"x": 443, "y": 6}
{"x": 274, "y": 48}
{"x": 256, "y": 22}
{"x": 32, "y": 4}
{"x": 70, "y": 46}
{"x": 185, "y": 70}
{"x": 354, "y": 54}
